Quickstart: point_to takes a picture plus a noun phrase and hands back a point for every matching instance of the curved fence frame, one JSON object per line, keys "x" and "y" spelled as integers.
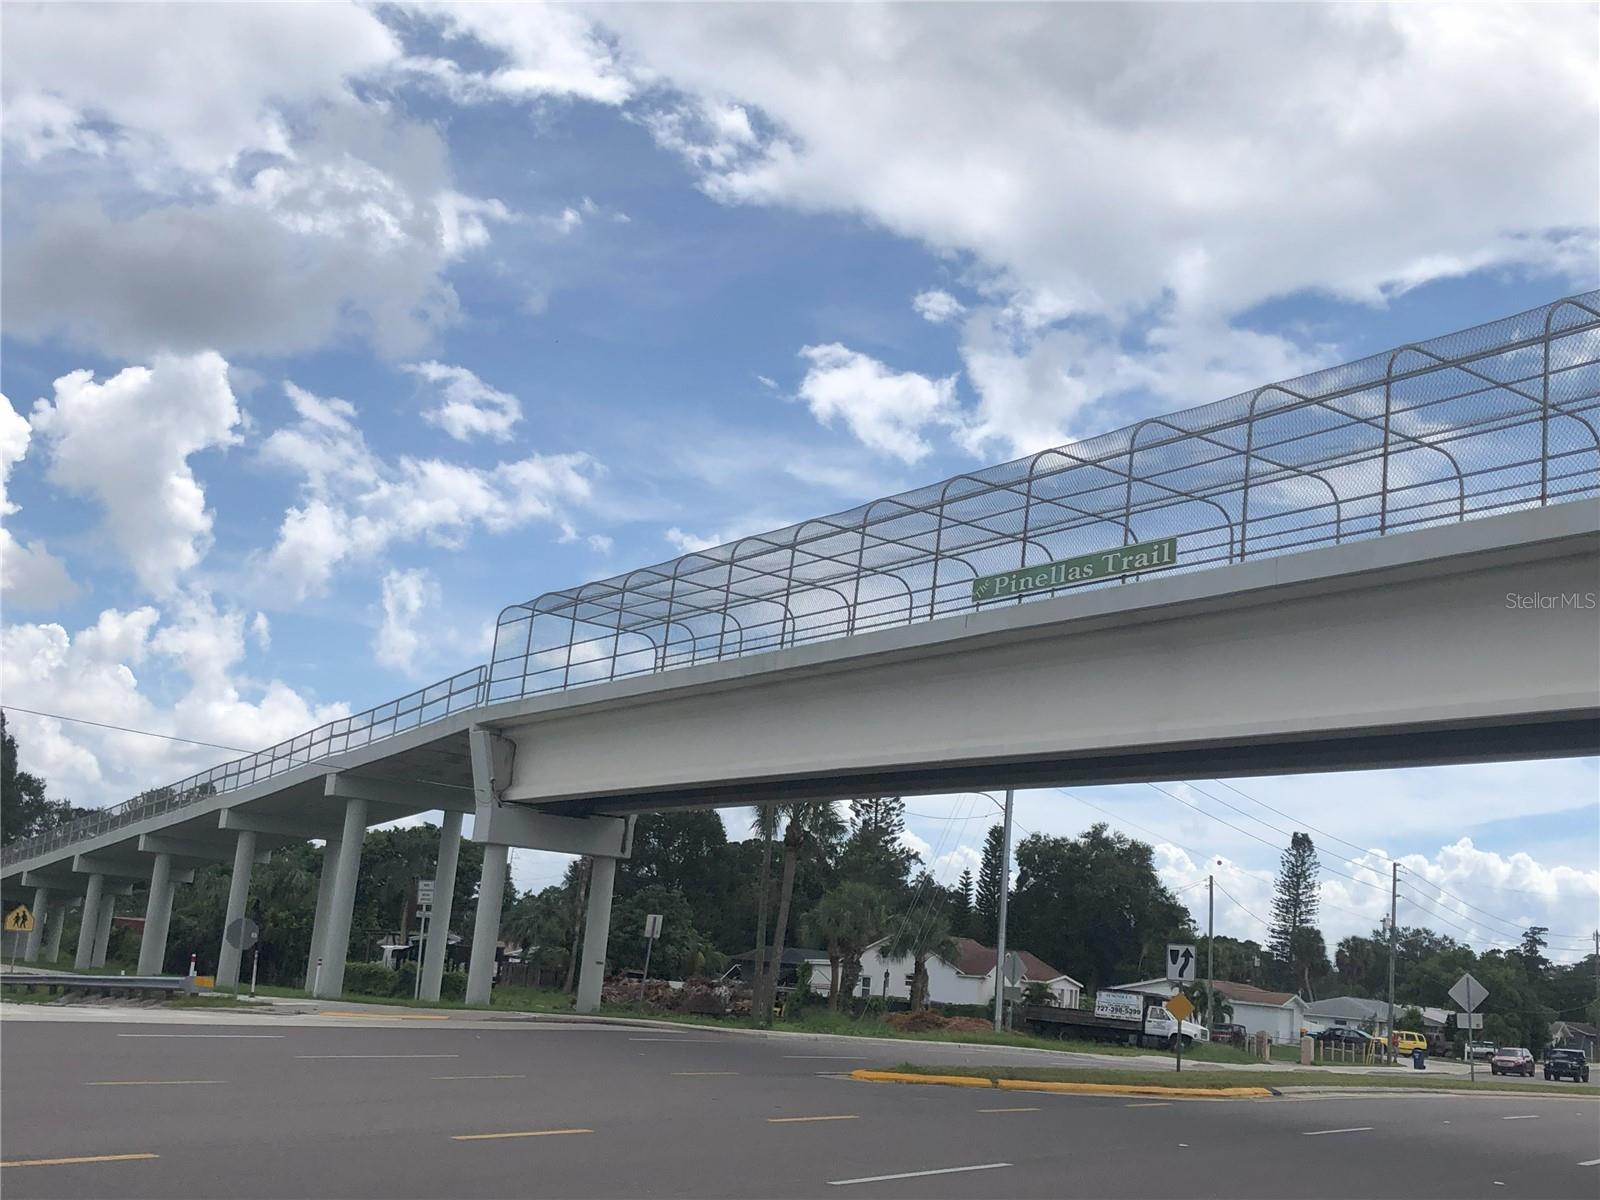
{"x": 1488, "y": 420}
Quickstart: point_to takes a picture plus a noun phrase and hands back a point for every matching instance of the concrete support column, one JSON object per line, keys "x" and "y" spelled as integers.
{"x": 444, "y": 888}
{"x": 596, "y": 932}
{"x": 342, "y": 902}
{"x": 102, "y": 937}
{"x": 486, "y": 926}
{"x": 52, "y": 940}
{"x": 91, "y": 905}
{"x": 35, "y": 942}
{"x": 244, "y": 857}
{"x": 319, "y": 923}
{"x": 157, "y": 916}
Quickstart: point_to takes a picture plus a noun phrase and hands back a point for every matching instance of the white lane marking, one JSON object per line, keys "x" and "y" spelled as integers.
{"x": 1593, "y": 1162}
{"x": 1352, "y": 1129}
{"x": 705, "y": 1072}
{"x": 682, "y": 1041}
{"x": 1001, "y": 1110}
{"x": 1524, "y": 1117}
{"x": 834, "y": 1057}
{"x": 441, "y": 1077}
{"x": 377, "y": 1056}
{"x": 203, "y": 1035}
{"x": 1152, "y": 1104}
{"x": 916, "y": 1174}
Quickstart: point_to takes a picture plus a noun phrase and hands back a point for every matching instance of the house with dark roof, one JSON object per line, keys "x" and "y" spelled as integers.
{"x": 1575, "y": 1035}
{"x": 1282, "y": 1015}
{"x": 967, "y": 977}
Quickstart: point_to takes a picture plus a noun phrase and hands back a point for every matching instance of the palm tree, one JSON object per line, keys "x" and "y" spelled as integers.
{"x": 921, "y": 939}
{"x": 764, "y": 823}
{"x": 845, "y": 921}
{"x": 807, "y": 822}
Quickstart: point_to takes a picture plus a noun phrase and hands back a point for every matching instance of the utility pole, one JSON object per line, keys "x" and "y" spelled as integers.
{"x": 1394, "y": 894}
{"x": 1597, "y": 964}
{"x": 1211, "y": 945}
{"x": 1000, "y": 933}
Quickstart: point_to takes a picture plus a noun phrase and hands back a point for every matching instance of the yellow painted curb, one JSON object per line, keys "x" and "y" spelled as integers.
{"x": 908, "y": 1077}
{"x": 1090, "y": 1089}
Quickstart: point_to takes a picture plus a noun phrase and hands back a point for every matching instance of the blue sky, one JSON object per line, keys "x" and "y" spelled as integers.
{"x": 331, "y": 331}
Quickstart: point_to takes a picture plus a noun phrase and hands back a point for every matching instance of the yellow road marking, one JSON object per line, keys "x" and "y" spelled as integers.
{"x": 67, "y": 1162}
{"x": 489, "y": 1137}
{"x": 146, "y": 1082}
{"x": 480, "y": 1076}
{"x": 1000, "y": 1110}
{"x": 705, "y": 1072}
{"x": 793, "y": 1120}
{"x": 386, "y": 1016}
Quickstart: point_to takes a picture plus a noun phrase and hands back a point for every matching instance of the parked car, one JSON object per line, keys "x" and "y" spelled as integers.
{"x": 1566, "y": 1063}
{"x": 1481, "y": 1050}
{"x": 1230, "y": 1035}
{"x": 1347, "y": 1036}
{"x": 1404, "y": 1041}
{"x": 1512, "y": 1060}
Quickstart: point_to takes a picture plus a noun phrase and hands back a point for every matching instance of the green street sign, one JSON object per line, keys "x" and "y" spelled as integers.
{"x": 1067, "y": 572}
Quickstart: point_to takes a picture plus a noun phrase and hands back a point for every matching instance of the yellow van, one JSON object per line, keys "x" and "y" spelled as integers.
{"x": 1404, "y": 1041}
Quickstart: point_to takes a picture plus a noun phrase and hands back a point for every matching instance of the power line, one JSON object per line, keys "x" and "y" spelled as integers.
{"x": 32, "y": 712}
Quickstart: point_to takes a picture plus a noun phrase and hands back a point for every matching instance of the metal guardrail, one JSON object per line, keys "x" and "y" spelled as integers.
{"x": 411, "y": 711}
{"x": 1484, "y": 421}
{"x": 67, "y": 982}
{"x": 1487, "y": 420}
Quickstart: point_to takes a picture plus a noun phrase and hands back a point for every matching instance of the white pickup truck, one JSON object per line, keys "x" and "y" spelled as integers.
{"x": 1160, "y": 1025}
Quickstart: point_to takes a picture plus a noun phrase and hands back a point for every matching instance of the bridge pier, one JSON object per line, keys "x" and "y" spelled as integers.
{"x": 157, "y": 916}
{"x": 84, "y": 958}
{"x": 596, "y": 934}
{"x": 486, "y": 924}
{"x": 57, "y": 922}
{"x": 41, "y": 906}
{"x": 342, "y": 898}
{"x": 319, "y": 922}
{"x": 102, "y": 936}
{"x": 444, "y": 887}
{"x": 244, "y": 857}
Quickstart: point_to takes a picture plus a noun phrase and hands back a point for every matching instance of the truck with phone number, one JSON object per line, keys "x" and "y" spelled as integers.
{"x": 1126, "y": 1017}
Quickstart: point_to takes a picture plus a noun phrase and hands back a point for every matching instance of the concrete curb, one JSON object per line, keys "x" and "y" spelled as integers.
{"x": 1086, "y": 1089}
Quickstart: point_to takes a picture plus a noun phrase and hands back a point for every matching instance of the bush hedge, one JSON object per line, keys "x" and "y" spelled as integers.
{"x": 375, "y": 979}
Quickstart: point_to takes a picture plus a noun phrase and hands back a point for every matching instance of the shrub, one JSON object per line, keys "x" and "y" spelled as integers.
{"x": 453, "y": 986}
{"x": 368, "y": 979}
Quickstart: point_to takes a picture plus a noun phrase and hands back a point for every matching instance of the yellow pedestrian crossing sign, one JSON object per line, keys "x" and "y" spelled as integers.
{"x": 19, "y": 920}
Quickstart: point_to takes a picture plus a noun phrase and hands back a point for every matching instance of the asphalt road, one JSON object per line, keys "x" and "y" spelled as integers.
{"x": 422, "y": 1108}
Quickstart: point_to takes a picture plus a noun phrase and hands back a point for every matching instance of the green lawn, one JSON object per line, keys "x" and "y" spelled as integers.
{"x": 1272, "y": 1079}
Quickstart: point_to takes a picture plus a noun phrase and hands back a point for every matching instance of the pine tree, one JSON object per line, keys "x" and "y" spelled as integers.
{"x": 986, "y": 903}
{"x": 961, "y": 905}
{"x": 875, "y": 853}
{"x": 1294, "y": 904}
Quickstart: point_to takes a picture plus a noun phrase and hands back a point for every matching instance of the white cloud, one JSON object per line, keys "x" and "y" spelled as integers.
{"x": 127, "y": 443}
{"x": 468, "y": 406}
{"x": 686, "y": 542}
{"x": 886, "y": 410}
{"x": 406, "y": 596}
{"x": 212, "y": 180}
{"x": 116, "y": 671}
{"x": 545, "y": 50}
{"x": 355, "y": 504}
{"x": 1140, "y": 176}
{"x": 32, "y": 577}
{"x": 937, "y": 306}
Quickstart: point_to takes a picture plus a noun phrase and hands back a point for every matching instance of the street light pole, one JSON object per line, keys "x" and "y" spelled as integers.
{"x": 1211, "y": 946}
{"x": 1000, "y": 934}
{"x": 1394, "y": 894}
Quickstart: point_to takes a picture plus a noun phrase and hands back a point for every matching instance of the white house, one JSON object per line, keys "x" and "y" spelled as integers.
{"x": 1281, "y": 1014}
{"x": 969, "y": 979}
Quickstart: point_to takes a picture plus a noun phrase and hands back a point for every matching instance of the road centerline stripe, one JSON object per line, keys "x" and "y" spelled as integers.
{"x": 146, "y": 1082}
{"x": 67, "y": 1162}
{"x": 682, "y": 1041}
{"x": 1324, "y": 1132}
{"x": 705, "y": 1072}
{"x": 917, "y": 1174}
{"x": 377, "y": 1056}
{"x": 835, "y": 1057}
{"x": 525, "y": 1133}
{"x": 252, "y": 1036}
{"x": 798, "y": 1120}
{"x": 1152, "y": 1104}
{"x": 1006, "y": 1110}
{"x": 1523, "y": 1117}
{"x": 480, "y": 1076}
{"x": 1592, "y": 1162}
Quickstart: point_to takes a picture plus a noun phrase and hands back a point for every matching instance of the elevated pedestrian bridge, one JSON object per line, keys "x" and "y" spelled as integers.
{"x": 1391, "y": 562}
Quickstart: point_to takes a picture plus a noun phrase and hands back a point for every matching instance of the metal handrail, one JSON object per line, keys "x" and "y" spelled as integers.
{"x": 1491, "y": 419}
